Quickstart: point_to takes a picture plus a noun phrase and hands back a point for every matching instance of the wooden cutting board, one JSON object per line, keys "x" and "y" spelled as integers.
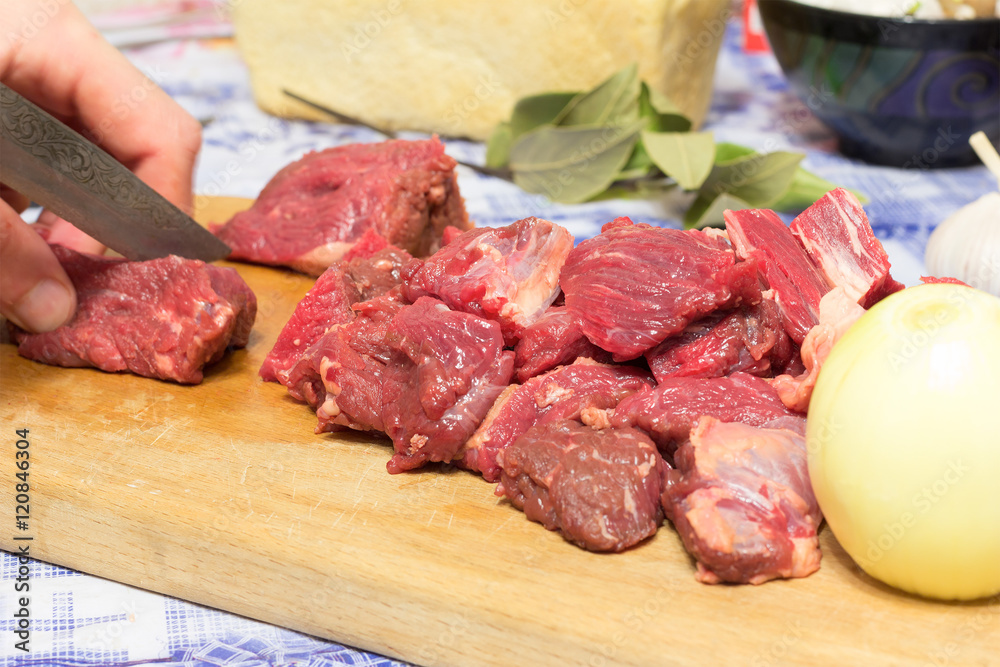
{"x": 222, "y": 494}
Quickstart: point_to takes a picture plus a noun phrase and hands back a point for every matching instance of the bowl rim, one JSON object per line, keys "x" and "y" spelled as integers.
{"x": 904, "y": 20}
{"x": 897, "y": 32}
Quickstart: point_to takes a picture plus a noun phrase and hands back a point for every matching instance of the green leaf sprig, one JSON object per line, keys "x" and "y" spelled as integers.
{"x": 575, "y": 146}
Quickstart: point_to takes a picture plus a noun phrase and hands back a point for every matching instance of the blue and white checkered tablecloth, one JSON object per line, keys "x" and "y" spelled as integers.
{"x": 82, "y": 620}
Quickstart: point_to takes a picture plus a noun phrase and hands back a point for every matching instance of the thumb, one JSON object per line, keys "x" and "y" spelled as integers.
{"x": 35, "y": 292}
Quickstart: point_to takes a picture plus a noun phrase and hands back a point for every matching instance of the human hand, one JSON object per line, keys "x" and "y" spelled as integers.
{"x": 64, "y": 65}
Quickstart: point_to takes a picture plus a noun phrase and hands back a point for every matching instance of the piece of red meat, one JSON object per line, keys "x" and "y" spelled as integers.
{"x": 567, "y": 392}
{"x": 669, "y": 411}
{"x": 741, "y": 500}
{"x": 378, "y": 273}
{"x": 554, "y": 339}
{"x": 508, "y": 274}
{"x": 599, "y": 488}
{"x": 293, "y": 360}
{"x": 351, "y": 360}
{"x": 634, "y": 285}
{"x": 837, "y": 236}
{"x": 447, "y": 368}
{"x": 449, "y": 234}
{"x": 367, "y": 245}
{"x": 790, "y": 273}
{"x": 930, "y": 280}
{"x": 163, "y": 318}
{"x": 315, "y": 209}
{"x": 750, "y": 339}
{"x": 328, "y": 302}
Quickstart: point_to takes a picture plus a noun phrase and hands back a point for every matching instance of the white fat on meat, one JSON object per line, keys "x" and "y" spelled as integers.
{"x": 837, "y": 312}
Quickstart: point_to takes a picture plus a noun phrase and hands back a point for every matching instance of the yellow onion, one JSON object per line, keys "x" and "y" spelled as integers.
{"x": 904, "y": 441}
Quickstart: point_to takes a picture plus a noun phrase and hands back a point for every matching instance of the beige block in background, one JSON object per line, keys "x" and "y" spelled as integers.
{"x": 457, "y": 67}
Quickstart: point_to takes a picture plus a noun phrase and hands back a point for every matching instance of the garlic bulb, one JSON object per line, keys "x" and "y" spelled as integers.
{"x": 967, "y": 245}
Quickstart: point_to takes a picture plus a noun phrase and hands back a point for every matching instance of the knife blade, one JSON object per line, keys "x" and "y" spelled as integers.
{"x": 61, "y": 170}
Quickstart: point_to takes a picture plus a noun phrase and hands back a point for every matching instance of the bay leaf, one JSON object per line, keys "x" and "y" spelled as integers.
{"x": 639, "y": 188}
{"x": 663, "y": 114}
{"x": 614, "y": 101}
{"x": 727, "y": 152}
{"x": 639, "y": 160}
{"x": 759, "y": 179}
{"x": 572, "y": 164}
{"x": 708, "y": 211}
{"x": 498, "y": 146}
{"x": 686, "y": 157}
{"x": 628, "y": 173}
{"x": 537, "y": 110}
{"x": 805, "y": 189}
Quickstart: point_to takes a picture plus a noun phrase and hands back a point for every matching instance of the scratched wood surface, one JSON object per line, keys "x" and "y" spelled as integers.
{"x": 221, "y": 494}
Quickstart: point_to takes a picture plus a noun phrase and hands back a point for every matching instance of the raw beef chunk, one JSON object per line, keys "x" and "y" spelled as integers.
{"x": 669, "y": 412}
{"x": 836, "y": 234}
{"x": 508, "y": 274}
{"x": 750, "y": 339}
{"x": 742, "y": 503}
{"x": 327, "y": 303}
{"x": 352, "y": 360}
{"x": 376, "y": 274}
{"x": 565, "y": 393}
{"x": 163, "y": 318}
{"x": 316, "y": 208}
{"x": 837, "y": 312}
{"x": 446, "y": 370}
{"x": 292, "y": 361}
{"x": 600, "y": 489}
{"x": 634, "y": 285}
{"x": 797, "y": 284}
{"x": 556, "y": 338}
{"x": 930, "y": 280}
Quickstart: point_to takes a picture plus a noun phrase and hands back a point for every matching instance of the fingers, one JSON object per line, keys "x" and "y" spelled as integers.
{"x": 35, "y": 292}
{"x": 69, "y": 69}
{"x": 56, "y": 230}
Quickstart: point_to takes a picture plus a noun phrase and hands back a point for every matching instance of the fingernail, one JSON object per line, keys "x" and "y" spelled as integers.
{"x": 46, "y": 306}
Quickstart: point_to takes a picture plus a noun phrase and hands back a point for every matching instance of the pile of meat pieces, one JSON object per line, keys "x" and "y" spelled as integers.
{"x": 647, "y": 372}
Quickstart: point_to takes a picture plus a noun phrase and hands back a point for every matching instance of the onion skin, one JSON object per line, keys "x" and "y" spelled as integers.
{"x": 904, "y": 441}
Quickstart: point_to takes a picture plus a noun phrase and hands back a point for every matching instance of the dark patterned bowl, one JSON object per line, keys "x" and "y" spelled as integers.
{"x": 900, "y": 92}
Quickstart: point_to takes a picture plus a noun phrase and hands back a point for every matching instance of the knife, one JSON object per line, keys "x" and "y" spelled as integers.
{"x": 58, "y": 168}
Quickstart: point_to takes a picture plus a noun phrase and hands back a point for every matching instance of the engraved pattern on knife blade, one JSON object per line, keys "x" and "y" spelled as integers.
{"x": 62, "y": 148}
